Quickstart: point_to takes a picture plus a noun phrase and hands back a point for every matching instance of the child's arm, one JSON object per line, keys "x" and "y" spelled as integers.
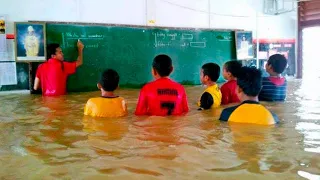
{"x": 36, "y": 84}
{"x": 264, "y": 95}
{"x": 124, "y": 106}
{"x": 206, "y": 101}
{"x": 142, "y": 104}
{"x": 225, "y": 95}
{"x": 88, "y": 108}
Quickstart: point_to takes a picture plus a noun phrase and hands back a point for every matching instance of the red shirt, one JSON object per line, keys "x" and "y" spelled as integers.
{"x": 53, "y": 76}
{"x": 162, "y": 97}
{"x": 229, "y": 94}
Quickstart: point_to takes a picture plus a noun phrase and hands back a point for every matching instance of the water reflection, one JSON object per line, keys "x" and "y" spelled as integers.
{"x": 101, "y": 131}
{"x": 51, "y": 137}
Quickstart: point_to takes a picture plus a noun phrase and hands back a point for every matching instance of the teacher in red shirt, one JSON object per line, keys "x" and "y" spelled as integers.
{"x": 52, "y": 75}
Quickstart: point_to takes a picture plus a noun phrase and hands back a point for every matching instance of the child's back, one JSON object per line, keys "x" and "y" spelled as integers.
{"x": 274, "y": 87}
{"x": 249, "y": 111}
{"x": 228, "y": 90}
{"x": 105, "y": 107}
{"x": 211, "y": 97}
{"x": 108, "y": 105}
{"x": 163, "y": 96}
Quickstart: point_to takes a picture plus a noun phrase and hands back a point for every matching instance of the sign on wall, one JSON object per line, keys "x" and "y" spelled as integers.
{"x": 244, "y": 45}
{"x": 3, "y": 45}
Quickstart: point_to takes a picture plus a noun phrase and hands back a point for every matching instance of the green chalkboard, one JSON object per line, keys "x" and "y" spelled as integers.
{"x": 130, "y": 51}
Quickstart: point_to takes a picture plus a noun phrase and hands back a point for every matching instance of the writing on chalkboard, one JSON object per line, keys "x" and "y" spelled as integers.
{"x": 72, "y": 45}
{"x": 180, "y": 44}
{"x": 198, "y": 44}
{"x": 70, "y": 35}
{"x": 163, "y": 44}
{"x": 162, "y": 39}
{"x": 95, "y": 36}
{"x": 69, "y": 39}
{"x": 171, "y": 36}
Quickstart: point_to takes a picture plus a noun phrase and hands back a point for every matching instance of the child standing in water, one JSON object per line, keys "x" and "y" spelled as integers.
{"x": 230, "y": 72}
{"x": 109, "y": 104}
{"x": 163, "y": 96}
{"x": 249, "y": 83}
{"x": 274, "y": 87}
{"x": 211, "y": 97}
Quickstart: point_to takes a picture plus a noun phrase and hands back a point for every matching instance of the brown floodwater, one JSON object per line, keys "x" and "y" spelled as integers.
{"x": 49, "y": 138}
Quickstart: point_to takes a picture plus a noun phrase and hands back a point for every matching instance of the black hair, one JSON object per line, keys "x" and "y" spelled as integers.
{"x": 250, "y": 81}
{"x": 233, "y": 67}
{"x": 52, "y": 49}
{"x": 162, "y": 64}
{"x": 109, "y": 80}
{"x": 278, "y": 63}
{"x": 212, "y": 70}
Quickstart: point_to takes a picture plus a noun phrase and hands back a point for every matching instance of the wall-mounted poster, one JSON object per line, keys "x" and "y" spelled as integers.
{"x": 2, "y": 25}
{"x": 244, "y": 45}
{"x": 30, "y": 42}
{"x": 3, "y": 47}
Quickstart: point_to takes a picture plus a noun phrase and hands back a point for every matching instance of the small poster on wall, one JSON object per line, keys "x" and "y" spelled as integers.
{"x": 244, "y": 45}
{"x": 30, "y": 42}
{"x": 2, "y": 24}
{"x": 8, "y": 73}
{"x": 3, "y": 47}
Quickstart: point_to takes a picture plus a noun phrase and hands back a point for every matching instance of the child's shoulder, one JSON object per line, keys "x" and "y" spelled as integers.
{"x": 121, "y": 98}
{"x": 274, "y": 80}
{"x": 163, "y": 82}
{"x": 273, "y": 77}
{"x": 94, "y": 99}
{"x": 229, "y": 83}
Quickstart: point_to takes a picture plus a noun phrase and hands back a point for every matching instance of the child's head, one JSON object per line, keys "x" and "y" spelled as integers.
{"x": 162, "y": 66}
{"x": 276, "y": 64}
{"x": 109, "y": 80}
{"x": 210, "y": 72}
{"x": 231, "y": 69}
{"x": 249, "y": 82}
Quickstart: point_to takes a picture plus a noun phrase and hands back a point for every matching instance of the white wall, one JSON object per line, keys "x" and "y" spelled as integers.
{"x": 232, "y": 14}
{"x": 101, "y": 11}
{"x": 229, "y": 14}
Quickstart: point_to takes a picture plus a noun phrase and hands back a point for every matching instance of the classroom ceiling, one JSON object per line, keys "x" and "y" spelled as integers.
{"x": 309, "y": 13}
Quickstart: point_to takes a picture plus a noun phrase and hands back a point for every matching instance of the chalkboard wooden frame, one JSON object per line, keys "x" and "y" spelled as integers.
{"x": 43, "y": 24}
{"x": 133, "y": 26}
